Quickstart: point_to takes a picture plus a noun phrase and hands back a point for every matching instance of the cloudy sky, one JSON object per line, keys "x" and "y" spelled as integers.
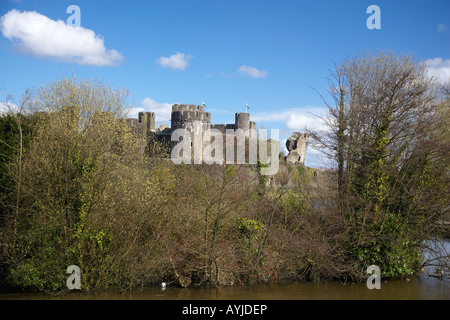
{"x": 272, "y": 55}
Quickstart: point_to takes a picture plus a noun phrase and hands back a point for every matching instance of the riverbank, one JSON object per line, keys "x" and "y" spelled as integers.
{"x": 419, "y": 287}
{"x": 430, "y": 284}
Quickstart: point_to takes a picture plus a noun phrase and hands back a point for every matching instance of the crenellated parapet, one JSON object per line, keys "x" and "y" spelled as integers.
{"x": 185, "y": 115}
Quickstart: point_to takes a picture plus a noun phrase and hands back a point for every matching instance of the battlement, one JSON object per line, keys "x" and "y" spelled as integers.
{"x": 187, "y": 107}
{"x": 184, "y": 116}
{"x": 220, "y": 127}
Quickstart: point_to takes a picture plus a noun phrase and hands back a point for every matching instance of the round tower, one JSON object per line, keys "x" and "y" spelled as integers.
{"x": 242, "y": 121}
{"x": 184, "y": 116}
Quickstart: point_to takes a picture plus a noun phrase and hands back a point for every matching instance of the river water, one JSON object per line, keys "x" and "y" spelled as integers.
{"x": 420, "y": 287}
{"x": 425, "y": 286}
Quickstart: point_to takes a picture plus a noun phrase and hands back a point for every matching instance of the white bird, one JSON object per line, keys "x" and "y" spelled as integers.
{"x": 163, "y": 286}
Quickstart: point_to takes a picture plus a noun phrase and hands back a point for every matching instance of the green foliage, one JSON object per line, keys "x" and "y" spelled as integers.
{"x": 394, "y": 261}
{"x": 90, "y": 250}
{"x": 26, "y": 276}
{"x": 261, "y": 178}
{"x": 38, "y": 257}
{"x": 56, "y": 185}
{"x": 296, "y": 201}
{"x": 252, "y": 256}
{"x": 15, "y": 136}
{"x": 249, "y": 228}
{"x": 10, "y": 143}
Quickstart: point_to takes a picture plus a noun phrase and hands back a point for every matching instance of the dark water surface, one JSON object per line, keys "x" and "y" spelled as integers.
{"x": 425, "y": 286}
{"x": 420, "y": 287}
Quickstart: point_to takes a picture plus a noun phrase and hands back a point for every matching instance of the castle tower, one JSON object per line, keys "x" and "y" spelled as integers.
{"x": 184, "y": 116}
{"x": 146, "y": 123}
{"x": 190, "y": 117}
{"x": 150, "y": 118}
{"x": 242, "y": 121}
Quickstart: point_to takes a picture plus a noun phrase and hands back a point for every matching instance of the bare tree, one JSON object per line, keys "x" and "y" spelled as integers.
{"x": 384, "y": 133}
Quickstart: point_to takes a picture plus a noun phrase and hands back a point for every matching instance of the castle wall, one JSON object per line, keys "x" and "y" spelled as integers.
{"x": 146, "y": 123}
{"x": 132, "y": 123}
{"x": 150, "y": 118}
{"x": 187, "y": 107}
{"x": 220, "y": 127}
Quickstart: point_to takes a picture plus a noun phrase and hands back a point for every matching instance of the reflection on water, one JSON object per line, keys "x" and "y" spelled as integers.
{"x": 418, "y": 287}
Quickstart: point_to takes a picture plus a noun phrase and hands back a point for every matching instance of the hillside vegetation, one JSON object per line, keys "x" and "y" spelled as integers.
{"x": 78, "y": 188}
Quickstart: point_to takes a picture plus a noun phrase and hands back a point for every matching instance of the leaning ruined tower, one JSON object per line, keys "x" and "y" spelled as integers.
{"x": 297, "y": 145}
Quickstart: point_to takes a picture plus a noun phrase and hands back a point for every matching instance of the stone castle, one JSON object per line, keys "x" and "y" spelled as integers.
{"x": 187, "y": 116}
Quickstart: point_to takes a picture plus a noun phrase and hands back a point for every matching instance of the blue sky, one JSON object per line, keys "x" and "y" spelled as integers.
{"x": 269, "y": 54}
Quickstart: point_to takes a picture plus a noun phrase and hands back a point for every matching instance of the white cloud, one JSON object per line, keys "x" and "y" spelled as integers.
{"x": 6, "y": 107}
{"x": 38, "y": 35}
{"x": 442, "y": 27}
{"x": 163, "y": 111}
{"x": 439, "y": 68}
{"x": 282, "y": 147}
{"x": 297, "y": 119}
{"x": 252, "y": 72}
{"x": 178, "y": 61}
{"x": 301, "y": 121}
